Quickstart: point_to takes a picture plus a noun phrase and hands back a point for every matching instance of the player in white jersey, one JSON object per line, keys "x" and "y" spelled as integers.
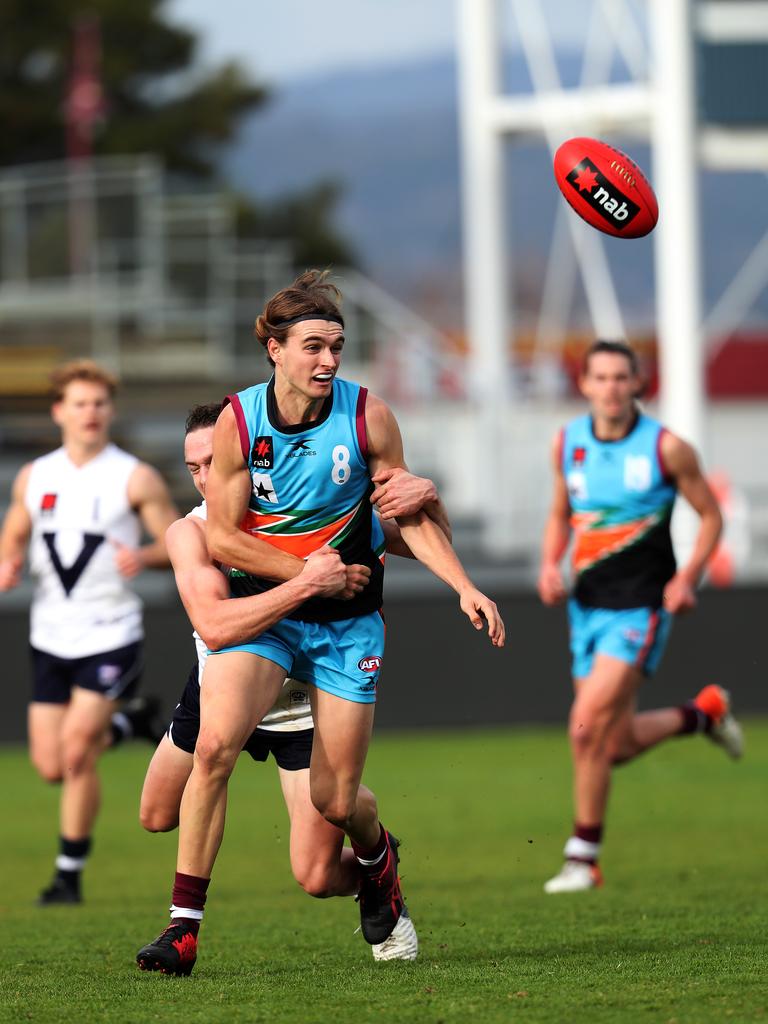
{"x": 319, "y": 862}
{"x": 78, "y": 512}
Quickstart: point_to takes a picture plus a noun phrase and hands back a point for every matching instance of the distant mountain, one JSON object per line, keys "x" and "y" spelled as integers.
{"x": 390, "y": 136}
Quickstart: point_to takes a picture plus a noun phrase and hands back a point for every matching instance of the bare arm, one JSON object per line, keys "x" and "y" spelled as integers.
{"x": 399, "y": 493}
{"x": 227, "y": 493}
{"x": 424, "y": 538}
{"x": 221, "y": 620}
{"x": 394, "y": 540}
{"x": 557, "y": 532}
{"x": 16, "y": 531}
{"x": 682, "y": 464}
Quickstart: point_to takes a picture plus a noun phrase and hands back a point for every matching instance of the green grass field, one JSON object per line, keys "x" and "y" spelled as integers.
{"x": 678, "y": 933}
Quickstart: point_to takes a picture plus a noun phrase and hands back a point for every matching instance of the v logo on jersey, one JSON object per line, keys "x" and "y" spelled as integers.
{"x": 71, "y": 575}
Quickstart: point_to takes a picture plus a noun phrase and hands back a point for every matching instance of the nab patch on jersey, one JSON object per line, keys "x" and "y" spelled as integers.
{"x": 262, "y": 453}
{"x": 48, "y": 502}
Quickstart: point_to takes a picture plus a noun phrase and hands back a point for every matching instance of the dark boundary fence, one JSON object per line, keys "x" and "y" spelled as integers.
{"x": 439, "y": 672}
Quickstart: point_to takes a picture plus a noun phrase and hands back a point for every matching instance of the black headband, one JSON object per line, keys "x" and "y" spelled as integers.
{"x": 335, "y": 318}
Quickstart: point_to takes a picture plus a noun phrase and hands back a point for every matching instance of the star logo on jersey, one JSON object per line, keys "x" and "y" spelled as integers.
{"x": 48, "y": 504}
{"x": 579, "y": 456}
{"x": 262, "y": 452}
{"x": 263, "y": 488}
{"x": 299, "y": 448}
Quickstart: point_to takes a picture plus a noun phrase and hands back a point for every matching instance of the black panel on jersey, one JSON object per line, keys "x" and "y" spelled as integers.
{"x": 632, "y": 578}
{"x": 355, "y": 549}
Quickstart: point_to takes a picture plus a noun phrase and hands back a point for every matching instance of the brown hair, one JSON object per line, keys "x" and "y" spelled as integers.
{"x": 81, "y": 369}
{"x": 311, "y": 292}
{"x": 616, "y": 348}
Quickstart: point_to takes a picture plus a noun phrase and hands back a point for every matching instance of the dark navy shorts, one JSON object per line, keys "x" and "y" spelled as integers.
{"x": 113, "y": 674}
{"x": 291, "y": 750}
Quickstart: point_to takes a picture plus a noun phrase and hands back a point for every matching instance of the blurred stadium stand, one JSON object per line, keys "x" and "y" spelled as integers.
{"x": 167, "y": 298}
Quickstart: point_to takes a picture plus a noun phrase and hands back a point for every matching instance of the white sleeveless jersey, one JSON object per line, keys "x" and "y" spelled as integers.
{"x": 82, "y": 605}
{"x": 291, "y": 711}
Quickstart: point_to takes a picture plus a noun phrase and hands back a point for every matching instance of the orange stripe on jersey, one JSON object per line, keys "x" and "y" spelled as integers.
{"x": 299, "y": 544}
{"x": 593, "y": 543}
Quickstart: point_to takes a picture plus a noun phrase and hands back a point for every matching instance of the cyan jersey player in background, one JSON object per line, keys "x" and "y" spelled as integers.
{"x": 617, "y": 473}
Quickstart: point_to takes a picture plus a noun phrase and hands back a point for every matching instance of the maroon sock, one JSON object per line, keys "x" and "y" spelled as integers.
{"x": 693, "y": 719}
{"x": 189, "y": 893}
{"x": 372, "y": 853}
{"x": 589, "y": 833}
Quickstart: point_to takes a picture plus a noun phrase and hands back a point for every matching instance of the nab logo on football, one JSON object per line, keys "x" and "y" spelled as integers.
{"x": 262, "y": 453}
{"x": 595, "y": 189}
{"x": 372, "y": 664}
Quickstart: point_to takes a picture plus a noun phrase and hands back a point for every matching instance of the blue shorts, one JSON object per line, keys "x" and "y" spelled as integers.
{"x": 343, "y": 658}
{"x": 635, "y": 635}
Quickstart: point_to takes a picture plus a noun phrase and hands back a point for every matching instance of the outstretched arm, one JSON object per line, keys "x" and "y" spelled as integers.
{"x": 221, "y": 620}
{"x": 17, "y": 529}
{"x": 424, "y": 538}
{"x": 399, "y": 493}
{"x": 557, "y": 532}
{"x": 682, "y": 464}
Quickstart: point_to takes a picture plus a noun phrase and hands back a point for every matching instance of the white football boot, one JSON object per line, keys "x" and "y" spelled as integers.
{"x": 725, "y": 730}
{"x": 575, "y": 876}
{"x": 402, "y": 944}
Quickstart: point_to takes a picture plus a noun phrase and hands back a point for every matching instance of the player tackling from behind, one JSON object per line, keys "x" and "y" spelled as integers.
{"x": 79, "y": 510}
{"x": 616, "y": 476}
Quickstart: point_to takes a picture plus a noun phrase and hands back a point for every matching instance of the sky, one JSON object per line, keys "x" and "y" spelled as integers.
{"x": 282, "y": 40}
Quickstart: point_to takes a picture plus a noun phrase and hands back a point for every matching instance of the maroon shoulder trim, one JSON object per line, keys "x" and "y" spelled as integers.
{"x": 362, "y": 433}
{"x": 561, "y": 448}
{"x": 659, "y": 457}
{"x": 242, "y": 429}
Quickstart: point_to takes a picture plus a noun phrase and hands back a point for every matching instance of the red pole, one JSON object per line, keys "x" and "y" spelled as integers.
{"x": 83, "y": 108}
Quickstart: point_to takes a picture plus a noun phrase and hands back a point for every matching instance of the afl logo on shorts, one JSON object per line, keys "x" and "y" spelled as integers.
{"x": 372, "y": 664}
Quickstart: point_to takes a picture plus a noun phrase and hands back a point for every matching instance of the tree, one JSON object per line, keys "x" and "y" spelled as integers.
{"x": 155, "y": 100}
{"x": 305, "y": 218}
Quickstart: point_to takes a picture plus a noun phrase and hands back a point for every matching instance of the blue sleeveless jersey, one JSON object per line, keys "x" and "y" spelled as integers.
{"x": 621, "y": 504}
{"x": 310, "y": 487}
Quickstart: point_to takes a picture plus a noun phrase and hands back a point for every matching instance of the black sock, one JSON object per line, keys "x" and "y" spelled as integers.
{"x": 70, "y": 862}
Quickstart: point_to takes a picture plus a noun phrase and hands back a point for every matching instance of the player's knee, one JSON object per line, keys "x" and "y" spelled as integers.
{"x": 49, "y": 769}
{"x": 316, "y": 880}
{"x": 157, "y": 819}
{"x": 79, "y": 754}
{"x": 339, "y": 813}
{"x": 585, "y": 733}
{"x": 214, "y": 755}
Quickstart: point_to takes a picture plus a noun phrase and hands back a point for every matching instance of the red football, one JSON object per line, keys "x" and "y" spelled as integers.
{"x": 606, "y": 188}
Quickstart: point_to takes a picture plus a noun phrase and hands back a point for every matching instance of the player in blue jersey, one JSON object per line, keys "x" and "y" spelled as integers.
{"x": 319, "y": 862}
{"x": 295, "y": 464}
{"x": 617, "y": 473}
